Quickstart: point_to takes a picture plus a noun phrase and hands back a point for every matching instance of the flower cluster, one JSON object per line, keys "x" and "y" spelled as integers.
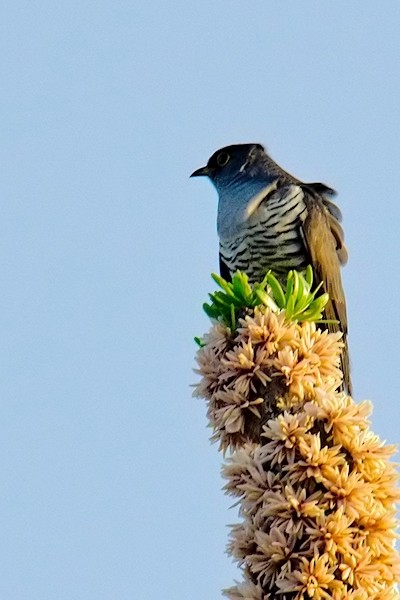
{"x": 315, "y": 486}
{"x": 244, "y": 373}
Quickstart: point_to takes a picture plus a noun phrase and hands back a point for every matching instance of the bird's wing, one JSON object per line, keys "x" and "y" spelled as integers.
{"x": 324, "y": 240}
{"x": 323, "y": 191}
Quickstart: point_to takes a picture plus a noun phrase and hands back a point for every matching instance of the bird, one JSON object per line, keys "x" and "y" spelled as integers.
{"x": 269, "y": 219}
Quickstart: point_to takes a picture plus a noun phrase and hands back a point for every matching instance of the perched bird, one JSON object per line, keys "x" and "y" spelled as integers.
{"x": 268, "y": 219}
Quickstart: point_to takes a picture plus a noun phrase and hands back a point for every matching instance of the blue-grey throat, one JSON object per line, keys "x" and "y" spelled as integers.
{"x": 268, "y": 219}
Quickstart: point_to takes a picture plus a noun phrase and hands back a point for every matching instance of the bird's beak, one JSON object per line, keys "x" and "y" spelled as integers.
{"x": 202, "y": 172}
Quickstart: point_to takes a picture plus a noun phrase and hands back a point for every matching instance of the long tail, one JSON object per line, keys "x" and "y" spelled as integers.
{"x": 336, "y": 310}
{"x": 324, "y": 238}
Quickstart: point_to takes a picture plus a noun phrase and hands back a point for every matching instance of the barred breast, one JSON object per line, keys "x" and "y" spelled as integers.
{"x": 270, "y": 238}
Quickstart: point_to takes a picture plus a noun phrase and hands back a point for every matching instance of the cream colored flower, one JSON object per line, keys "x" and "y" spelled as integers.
{"x": 313, "y": 579}
{"x": 247, "y": 477}
{"x": 321, "y": 348}
{"x": 274, "y": 551}
{"x": 347, "y": 490}
{"x": 317, "y": 460}
{"x": 339, "y": 413}
{"x": 242, "y": 543}
{"x": 246, "y": 591}
{"x": 288, "y": 429}
{"x": 292, "y": 504}
{"x": 333, "y": 533}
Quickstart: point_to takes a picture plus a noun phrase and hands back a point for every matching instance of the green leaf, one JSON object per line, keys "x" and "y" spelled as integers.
{"x": 289, "y": 287}
{"x": 233, "y": 318}
{"x": 295, "y": 291}
{"x": 267, "y": 300}
{"x": 309, "y": 276}
{"x": 276, "y": 290}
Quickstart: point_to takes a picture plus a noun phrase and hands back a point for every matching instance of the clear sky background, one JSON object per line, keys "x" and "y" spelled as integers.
{"x": 109, "y": 487}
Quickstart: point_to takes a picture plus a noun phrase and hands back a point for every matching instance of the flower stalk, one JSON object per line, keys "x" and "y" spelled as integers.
{"x": 316, "y": 488}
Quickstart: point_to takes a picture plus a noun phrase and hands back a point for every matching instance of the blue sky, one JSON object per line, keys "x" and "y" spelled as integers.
{"x": 109, "y": 486}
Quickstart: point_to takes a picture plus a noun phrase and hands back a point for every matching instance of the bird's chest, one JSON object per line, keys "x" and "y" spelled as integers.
{"x": 269, "y": 238}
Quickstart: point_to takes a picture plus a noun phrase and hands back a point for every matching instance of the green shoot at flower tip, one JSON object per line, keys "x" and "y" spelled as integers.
{"x": 294, "y": 297}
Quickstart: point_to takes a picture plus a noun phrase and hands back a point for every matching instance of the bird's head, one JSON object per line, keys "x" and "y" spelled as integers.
{"x": 234, "y": 164}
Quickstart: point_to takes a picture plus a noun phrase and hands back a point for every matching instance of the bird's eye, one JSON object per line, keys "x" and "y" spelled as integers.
{"x": 223, "y": 159}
